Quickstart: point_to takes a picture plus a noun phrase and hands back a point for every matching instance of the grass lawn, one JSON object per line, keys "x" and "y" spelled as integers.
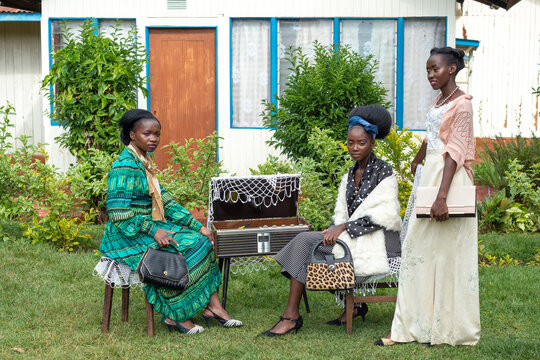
{"x": 51, "y": 308}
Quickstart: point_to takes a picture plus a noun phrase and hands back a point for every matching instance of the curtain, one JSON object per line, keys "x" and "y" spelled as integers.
{"x": 421, "y": 35}
{"x": 300, "y": 33}
{"x": 377, "y": 38}
{"x": 250, "y": 71}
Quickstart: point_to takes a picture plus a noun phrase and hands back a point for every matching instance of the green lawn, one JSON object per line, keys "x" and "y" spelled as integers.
{"x": 51, "y": 307}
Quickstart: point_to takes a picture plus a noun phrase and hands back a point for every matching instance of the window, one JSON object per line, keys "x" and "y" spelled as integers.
{"x": 250, "y": 71}
{"x": 400, "y": 46}
{"x": 421, "y": 35}
{"x": 300, "y": 34}
{"x": 378, "y": 38}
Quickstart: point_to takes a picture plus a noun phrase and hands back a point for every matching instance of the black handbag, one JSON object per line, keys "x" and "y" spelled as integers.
{"x": 330, "y": 273}
{"x": 163, "y": 268}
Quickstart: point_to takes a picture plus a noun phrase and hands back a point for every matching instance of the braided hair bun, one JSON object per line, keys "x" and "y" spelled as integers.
{"x": 376, "y": 115}
{"x": 451, "y": 55}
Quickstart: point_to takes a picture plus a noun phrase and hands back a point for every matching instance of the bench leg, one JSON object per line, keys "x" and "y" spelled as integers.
{"x": 149, "y": 318}
{"x": 349, "y": 305}
{"x": 107, "y": 304}
{"x": 125, "y": 303}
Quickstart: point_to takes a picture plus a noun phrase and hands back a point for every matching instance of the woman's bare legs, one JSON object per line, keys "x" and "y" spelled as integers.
{"x": 216, "y": 307}
{"x": 292, "y": 309}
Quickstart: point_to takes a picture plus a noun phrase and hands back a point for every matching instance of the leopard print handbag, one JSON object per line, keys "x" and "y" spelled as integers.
{"x": 330, "y": 273}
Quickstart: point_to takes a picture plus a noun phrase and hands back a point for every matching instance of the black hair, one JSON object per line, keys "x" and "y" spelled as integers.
{"x": 376, "y": 115}
{"x": 128, "y": 121}
{"x": 451, "y": 56}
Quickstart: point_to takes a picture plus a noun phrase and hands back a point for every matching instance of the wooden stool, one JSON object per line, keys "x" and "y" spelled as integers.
{"x": 107, "y": 304}
{"x": 350, "y": 300}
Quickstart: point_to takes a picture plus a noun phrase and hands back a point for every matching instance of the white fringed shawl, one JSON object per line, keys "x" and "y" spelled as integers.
{"x": 382, "y": 207}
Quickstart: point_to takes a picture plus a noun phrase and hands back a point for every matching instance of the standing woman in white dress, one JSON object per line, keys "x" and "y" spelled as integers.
{"x": 437, "y": 301}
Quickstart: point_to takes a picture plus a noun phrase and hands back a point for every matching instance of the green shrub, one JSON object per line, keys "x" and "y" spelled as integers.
{"x": 96, "y": 80}
{"x": 190, "y": 169}
{"x": 398, "y": 149}
{"x": 88, "y": 182}
{"x": 320, "y": 94}
{"x": 492, "y": 170}
{"x": 21, "y": 175}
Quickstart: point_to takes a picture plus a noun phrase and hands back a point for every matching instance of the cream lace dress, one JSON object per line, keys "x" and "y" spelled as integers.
{"x": 437, "y": 298}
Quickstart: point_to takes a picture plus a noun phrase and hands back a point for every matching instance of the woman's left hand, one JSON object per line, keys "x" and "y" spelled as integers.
{"x": 331, "y": 234}
{"x": 208, "y": 234}
{"x": 439, "y": 210}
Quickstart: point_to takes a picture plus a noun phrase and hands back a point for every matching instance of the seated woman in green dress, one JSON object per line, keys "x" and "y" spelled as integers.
{"x": 142, "y": 214}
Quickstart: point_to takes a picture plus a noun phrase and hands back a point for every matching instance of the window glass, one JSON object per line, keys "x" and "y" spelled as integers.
{"x": 106, "y": 26}
{"x": 421, "y": 35}
{"x": 300, "y": 33}
{"x": 377, "y": 38}
{"x": 71, "y": 25}
{"x": 250, "y": 71}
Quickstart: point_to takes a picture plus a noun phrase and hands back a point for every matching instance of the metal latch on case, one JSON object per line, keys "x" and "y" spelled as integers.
{"x": 263, "y": 243}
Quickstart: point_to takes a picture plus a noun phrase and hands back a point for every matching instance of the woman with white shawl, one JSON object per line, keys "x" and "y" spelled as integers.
{"x": 366, "y": 218}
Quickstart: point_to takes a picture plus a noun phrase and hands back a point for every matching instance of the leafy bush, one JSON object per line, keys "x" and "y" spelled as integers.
{"x": 96, "y": 79}
{"x": 190, "y": 169}
{"x": 518, "y": 211}
{"x": 320, "y": 94}
{"x": 64, "y": 224}
{"x": 492, "y": 170}
{"x": 21, "y": 175}
{"x": 398, "y": 149}
{"x": 88, "y": 182}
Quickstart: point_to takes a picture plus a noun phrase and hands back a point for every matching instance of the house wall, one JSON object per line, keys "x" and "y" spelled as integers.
{"x": 240, "y": 148}
{"x": 20, "y": 73}
{"x": 504, "y": 68}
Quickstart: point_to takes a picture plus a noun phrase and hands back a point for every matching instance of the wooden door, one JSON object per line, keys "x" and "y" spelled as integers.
{"x": 182, "y": 84}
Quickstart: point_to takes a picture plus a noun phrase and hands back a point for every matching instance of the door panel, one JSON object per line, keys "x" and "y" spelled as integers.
{"x": 182, "y": 84}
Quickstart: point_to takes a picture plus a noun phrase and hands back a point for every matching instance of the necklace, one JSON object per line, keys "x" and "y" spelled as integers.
{"x": 438, "y": 105}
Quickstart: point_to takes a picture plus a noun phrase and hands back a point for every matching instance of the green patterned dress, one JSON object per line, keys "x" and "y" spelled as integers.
{"x": 130, "y": 231}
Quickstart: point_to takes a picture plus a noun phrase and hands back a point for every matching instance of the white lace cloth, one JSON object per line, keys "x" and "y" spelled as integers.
{"x": 433, "y": 125}
{"x": 115, "y": 274}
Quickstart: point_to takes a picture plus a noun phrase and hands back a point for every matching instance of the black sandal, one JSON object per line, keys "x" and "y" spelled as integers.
{"x": 361, "y": 311}
{"x": 297, "y": 325}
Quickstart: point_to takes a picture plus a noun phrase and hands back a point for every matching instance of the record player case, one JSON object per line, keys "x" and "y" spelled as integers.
{"x": 253, "y": 216}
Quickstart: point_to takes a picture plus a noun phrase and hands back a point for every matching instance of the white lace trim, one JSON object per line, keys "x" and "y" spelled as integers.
{"x": 115, "y": 274}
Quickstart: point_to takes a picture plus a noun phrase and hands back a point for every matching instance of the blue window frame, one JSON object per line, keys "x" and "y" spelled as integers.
{"x": 337, "y": 34}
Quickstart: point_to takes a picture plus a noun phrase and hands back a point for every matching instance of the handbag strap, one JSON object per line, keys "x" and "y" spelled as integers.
{"x": 338, "y": 241}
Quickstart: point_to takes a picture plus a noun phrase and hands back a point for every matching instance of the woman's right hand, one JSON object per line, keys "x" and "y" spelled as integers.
{"x": 414, "y": 164}
{"x": 163, "y": 239}
{"x": 419, "y": 158}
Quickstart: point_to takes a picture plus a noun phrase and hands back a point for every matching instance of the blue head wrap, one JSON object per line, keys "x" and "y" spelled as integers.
{"x": 370, "y": 128}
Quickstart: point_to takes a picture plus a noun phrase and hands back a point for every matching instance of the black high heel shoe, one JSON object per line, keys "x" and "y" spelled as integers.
{"x": 297, "y": 325}
{"x": 177, "y": 327}
{"x": 360, "y": 311}
{"x": 225, "y": 323}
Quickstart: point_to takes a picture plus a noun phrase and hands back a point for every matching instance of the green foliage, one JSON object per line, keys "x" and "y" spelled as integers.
{"x": 88, "y": 182}
{"x": 190, "y": 169}
{"x": 320, "y": 179}
{"x": 398, "y": 149}
{"x": 492, "y": 170}
{"x": 524, "y": 187}
{"x": 21, "y": 175}
{"x": 64, "y": 224}
{"x": 320, "y": 94}
{"x": 95, "y": 79}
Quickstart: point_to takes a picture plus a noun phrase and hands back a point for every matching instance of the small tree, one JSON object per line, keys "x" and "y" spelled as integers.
{"x": 96, "y": 79}
{"x": 321, "y": 94}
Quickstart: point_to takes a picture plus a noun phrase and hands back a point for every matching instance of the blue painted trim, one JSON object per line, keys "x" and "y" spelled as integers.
{"x": 147, "y": 44}
{"x": 273, "y": 60}
{"x": 51, "y": 89}
{"x": 337, "y": 31}
{"x": 467, "y": 42}
{"x": 95, "y": 24}
{"x": 231, "y": 109}
{"x": 399, "y": 71}
{"x": 21, "y": 17}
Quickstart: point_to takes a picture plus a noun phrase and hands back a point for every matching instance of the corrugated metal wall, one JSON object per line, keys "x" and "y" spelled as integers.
{"x": 20, "y": 73}
{"x": 241, "y": 148}
{"x": 505, "y": 67}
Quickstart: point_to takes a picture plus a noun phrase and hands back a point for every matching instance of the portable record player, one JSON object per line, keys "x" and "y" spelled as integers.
{"x": 253, "y": 216}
